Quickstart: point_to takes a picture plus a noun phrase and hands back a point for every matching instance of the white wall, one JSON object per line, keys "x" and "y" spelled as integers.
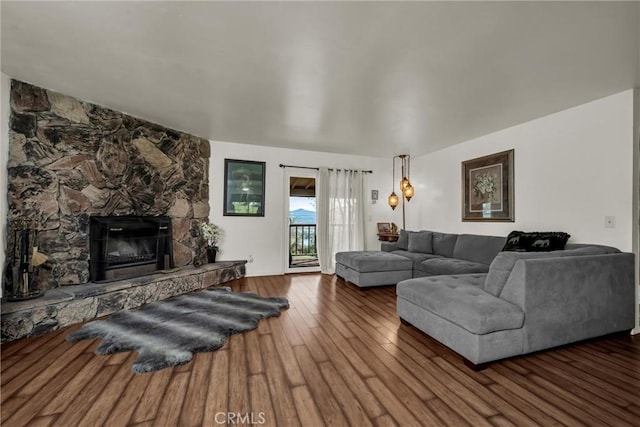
{"x": 263, "y": 238}
{"x": 5, "y": 85}
{"x": 572, "y": 169}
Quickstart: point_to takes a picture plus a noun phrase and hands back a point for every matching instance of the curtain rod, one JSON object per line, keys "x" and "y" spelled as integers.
{"x": 309, "y": 167}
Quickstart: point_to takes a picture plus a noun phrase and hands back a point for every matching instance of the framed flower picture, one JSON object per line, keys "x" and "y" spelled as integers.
{"x": 487, "y": 188}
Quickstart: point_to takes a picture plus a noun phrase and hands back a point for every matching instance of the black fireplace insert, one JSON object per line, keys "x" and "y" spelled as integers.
{"x": 129, "y": 246}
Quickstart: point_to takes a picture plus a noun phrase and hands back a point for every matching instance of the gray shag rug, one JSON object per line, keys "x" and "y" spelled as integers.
{"x": 167, "y": 333}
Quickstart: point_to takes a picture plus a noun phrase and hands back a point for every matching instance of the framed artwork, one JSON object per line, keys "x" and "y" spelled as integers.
{"x": 243, "y": 188}
{"x": 384, "y": 227}
{"x": 487, "y": 188}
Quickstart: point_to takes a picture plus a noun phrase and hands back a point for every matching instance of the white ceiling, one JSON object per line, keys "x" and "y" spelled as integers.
{"x": 373, "y": 78}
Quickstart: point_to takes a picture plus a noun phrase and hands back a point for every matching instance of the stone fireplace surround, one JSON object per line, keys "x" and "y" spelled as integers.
{"x": 70, "y": 160}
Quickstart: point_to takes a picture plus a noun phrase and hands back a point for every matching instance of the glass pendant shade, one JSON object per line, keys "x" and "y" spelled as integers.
{"x": 408, "y": 191}
{"x": 404, "y": 183}
{"x": 393, "y": 200}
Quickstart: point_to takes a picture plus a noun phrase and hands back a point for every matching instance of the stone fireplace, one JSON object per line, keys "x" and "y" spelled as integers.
{"x": 71, "y": 161}
{"x": 112, "y": 196}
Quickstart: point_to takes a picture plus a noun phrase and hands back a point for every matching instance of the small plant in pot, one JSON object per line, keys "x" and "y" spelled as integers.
{"x": 211, "y": 235}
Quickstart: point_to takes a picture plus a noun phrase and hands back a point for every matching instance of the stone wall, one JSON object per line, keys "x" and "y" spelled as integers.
{"x": 70, "y": 159}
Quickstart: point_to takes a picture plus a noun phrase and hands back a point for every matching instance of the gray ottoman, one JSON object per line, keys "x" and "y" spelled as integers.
{"x": 373, "y": 268}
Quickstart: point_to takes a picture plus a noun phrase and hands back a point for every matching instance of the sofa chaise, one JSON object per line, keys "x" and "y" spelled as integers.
{"x": 526, "y": 302}
{"x": 488, "y": 304}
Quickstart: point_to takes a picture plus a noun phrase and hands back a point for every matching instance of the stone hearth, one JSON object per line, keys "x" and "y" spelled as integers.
{"x": 75, "y": 304}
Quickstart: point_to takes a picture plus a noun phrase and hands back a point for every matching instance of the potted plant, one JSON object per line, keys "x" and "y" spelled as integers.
{"x": 211, "y": 235}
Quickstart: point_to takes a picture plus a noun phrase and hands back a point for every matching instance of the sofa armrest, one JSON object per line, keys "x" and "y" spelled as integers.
{"x": 388, "y": 246}
{"x": 572, "y": 298}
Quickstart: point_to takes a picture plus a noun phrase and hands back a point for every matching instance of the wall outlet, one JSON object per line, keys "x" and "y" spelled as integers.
{"x": 609, "y": 222}
{"x": 250, "y": 258}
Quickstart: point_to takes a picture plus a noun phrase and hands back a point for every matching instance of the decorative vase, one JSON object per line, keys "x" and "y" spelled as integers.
{"x": 211, "y": 254}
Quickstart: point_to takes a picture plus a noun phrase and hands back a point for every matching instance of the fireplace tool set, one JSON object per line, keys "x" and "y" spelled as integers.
{"x": 23, "y": 260}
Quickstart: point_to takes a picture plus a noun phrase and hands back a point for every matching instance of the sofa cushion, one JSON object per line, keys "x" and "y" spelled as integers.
{"x": 482, "y": 249}
{"x": 537, "y": 241}
{"x": 420, "y": 241}
{"x": 442, "y": 265}
{"x": 416, "y": 257}
{"x": 460, "y": 300}
{"x": 502, "y": 265}
{"x": 444, "y": 243}
{"x": 403, "y": 240}
{"x": 388, "y": 246}
{"x": 368, "y": 261}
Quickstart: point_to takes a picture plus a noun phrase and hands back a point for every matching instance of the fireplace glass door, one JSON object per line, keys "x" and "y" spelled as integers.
{"x": 124, "y": 247}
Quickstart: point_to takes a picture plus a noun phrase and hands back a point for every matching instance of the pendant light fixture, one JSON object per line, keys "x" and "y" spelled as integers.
{"x": 406, "y": 189}
{"x": 393, "y": 197}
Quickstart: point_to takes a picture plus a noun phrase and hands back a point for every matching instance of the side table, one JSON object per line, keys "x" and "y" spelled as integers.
{"x": 387, "y": 237}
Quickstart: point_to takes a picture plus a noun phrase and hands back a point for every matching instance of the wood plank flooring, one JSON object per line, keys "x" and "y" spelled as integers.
{"x": 337, "y": 356}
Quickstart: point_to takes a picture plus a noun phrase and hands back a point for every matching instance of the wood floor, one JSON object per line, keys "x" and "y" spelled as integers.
{"x": 337, "y": 356}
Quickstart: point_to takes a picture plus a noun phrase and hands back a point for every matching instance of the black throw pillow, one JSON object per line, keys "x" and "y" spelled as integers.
{"x": 538, "y": 241}
{"x": 515, "y": 242}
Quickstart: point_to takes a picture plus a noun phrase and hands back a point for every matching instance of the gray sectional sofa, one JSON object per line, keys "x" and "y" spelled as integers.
{"x": 486, "y": 304}
{"x": 418, "y": 254}
{"x": 435, "y": 253}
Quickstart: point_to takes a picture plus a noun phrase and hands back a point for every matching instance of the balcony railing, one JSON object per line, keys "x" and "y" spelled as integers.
{"x": 302, "y": 239}
{"x": 302, "y": 245}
